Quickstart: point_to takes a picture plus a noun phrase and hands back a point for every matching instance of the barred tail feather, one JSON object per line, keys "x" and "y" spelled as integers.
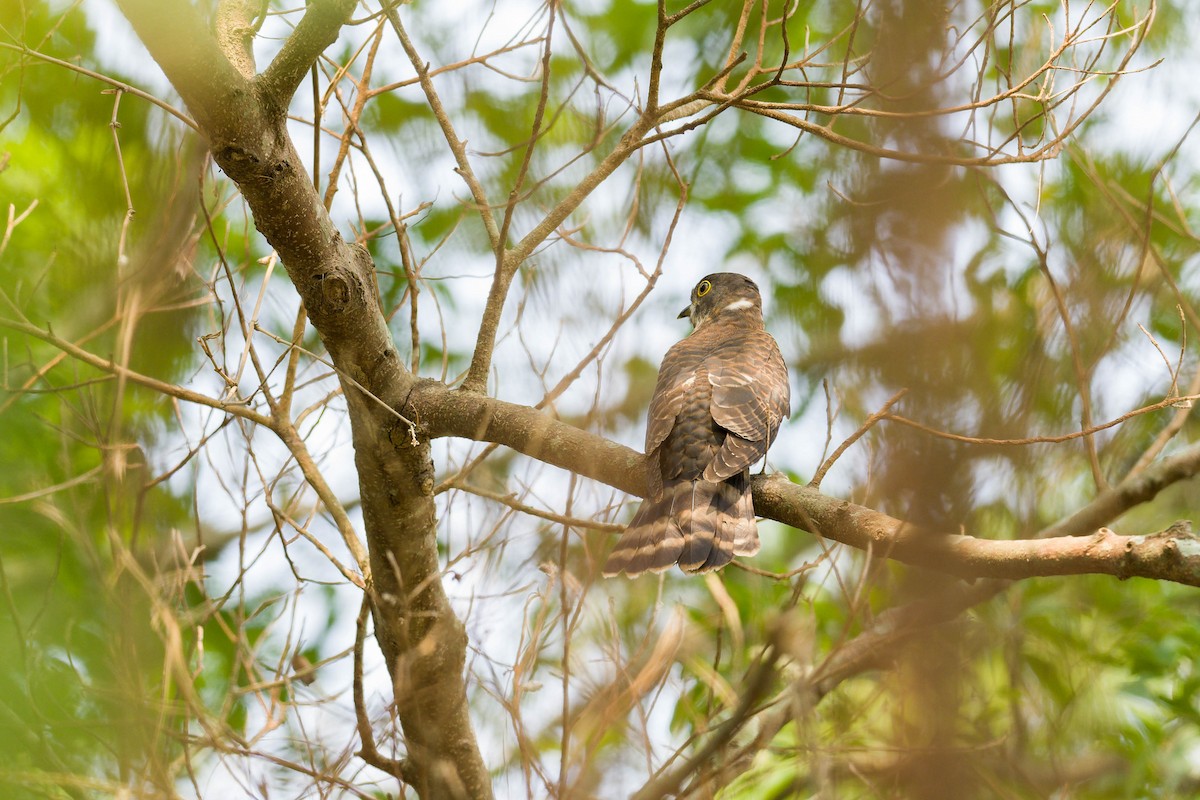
{"x": 651, "y": 542}
{"x": 729, "y": 515}
{"x": 694, "y": 509}
{"x": 741, "y": 526}
{"x": 698, "y": 524}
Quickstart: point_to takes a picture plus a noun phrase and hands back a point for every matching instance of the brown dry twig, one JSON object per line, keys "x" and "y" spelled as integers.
{"x": 1028, "y": 440}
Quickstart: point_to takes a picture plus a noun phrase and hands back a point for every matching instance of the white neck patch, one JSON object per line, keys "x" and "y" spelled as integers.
{"x": 738, "y": 305}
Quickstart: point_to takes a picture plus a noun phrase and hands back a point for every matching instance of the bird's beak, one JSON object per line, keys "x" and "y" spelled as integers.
{"x": 687, "y": 312}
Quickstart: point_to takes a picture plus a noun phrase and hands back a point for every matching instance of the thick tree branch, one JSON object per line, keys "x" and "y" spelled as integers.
{"x": 179, "y": 40}
{"x": 440, "y": 411}
{"x": 1172, "y": 555}
{"x": 234, "y": 29}
{"x": 317, "y": 30}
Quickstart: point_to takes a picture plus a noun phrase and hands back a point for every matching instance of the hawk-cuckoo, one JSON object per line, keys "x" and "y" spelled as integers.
{"x": 721, "y": 394}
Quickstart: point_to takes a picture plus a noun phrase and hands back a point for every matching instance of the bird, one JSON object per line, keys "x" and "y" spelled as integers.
{"x": 721, "y": 395}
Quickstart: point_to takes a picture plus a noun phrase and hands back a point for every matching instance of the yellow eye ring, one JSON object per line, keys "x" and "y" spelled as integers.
{"x": 703, "y": 288}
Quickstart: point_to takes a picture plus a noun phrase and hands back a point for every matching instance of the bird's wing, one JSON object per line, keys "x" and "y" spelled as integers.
{"x": 676, "y": 376}
{"x": 750, "y": 399}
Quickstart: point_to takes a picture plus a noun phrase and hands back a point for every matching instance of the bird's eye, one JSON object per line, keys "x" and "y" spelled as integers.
{"x": 703, "y": 288}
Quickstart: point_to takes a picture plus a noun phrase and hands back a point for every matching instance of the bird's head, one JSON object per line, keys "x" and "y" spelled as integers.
{"x": 723, "y": 295}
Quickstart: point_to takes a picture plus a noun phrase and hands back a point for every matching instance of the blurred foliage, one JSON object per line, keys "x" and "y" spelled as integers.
{"x": 83, "y": 660}
{"x": 90, "y": 693}
{"x": 879, "y": 276}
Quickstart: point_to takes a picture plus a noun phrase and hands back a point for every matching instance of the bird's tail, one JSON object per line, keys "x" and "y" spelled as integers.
{"x": 698, "y": 524}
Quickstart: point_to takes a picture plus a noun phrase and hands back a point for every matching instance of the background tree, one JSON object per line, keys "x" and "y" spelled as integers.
{"x": 323, "y": 357}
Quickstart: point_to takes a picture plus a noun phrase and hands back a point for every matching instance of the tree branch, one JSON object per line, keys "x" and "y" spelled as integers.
{"x": 125, "y": 88}
{"x": 233, "y": 23}
{"x": 236, "y": 409}
{"x": 457, "y": 146}
{"x": 1172, "y": 555}
{"x": 1134, "y": 490}
{"x": 485, "y": 344}
{"x": 317, "y": 30}
{"x": 179, "y": 40}
{"x": 440, "y": 411}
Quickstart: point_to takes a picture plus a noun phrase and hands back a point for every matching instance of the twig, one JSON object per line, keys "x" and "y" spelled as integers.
{"x": 882, "y": 413}
{"x": 368, "y": 751}
{"x": 1066, "y": 437}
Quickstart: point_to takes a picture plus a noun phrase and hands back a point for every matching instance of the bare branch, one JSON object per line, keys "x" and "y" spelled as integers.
{"x": 120, "y": 85}
{"x": 485, "y": 344}
{"x": 1169, "y": 402}
{"x": 111, "y": 367}
{"x": 882, "y": 413}
{"x": 457, "y": 146}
